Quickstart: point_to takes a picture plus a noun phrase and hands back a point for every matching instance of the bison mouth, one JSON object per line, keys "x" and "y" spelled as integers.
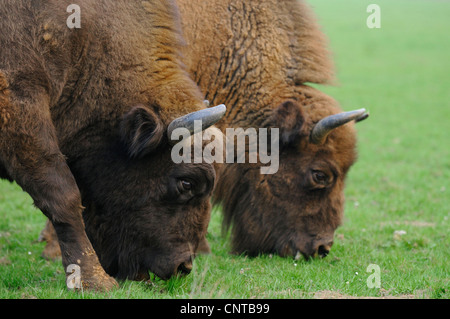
{"x": 321, "y": 253}
{"x": 166, "y": 267}
{"x": 307, "y": 251}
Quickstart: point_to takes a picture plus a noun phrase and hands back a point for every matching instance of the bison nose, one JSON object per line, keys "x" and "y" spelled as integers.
{"x": 185, "y": 268}
{"x": 324, "y": 250}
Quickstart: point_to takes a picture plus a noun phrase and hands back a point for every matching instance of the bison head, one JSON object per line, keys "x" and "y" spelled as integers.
{"x": 144, "y": 212}
{"x": 297, "y": 209}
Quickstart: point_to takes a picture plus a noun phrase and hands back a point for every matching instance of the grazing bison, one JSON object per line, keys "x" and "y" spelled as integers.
{"x": 257, "y": 58}
{"x": 83, "y": 122}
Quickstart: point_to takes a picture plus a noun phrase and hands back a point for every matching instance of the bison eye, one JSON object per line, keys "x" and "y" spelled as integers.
{"x": 320, "y": 177}
{"x": 187, "y": 186}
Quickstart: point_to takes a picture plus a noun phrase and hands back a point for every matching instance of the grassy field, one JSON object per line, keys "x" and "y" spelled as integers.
{"x": 398, "y": 203}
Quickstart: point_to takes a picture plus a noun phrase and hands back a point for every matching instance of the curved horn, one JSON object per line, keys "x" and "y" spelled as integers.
{"x": 209, "y": 117}
{"x": 329, "y": 123}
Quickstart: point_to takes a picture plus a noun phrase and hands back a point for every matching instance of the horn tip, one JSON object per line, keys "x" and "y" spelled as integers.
{"x": 360, "y": 111}
{"x": 220, "y": 109}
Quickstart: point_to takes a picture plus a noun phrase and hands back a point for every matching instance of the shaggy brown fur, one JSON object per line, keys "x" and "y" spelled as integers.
{"x": 83, "y": 114}
{"x": 257, "y": 56}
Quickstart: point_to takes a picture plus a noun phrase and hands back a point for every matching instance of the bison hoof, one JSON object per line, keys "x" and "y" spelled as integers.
{"x": 102, "y": 283}
{"x": 203, "y": 247}
{"x": 99, "y": 282}
{"x": 52, "y": 251}
{"x": 90, "y": 276}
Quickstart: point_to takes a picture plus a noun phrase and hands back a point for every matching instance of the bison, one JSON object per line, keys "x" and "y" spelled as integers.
{"x": 84, "y": 113}
{"x": 258, "y": 58}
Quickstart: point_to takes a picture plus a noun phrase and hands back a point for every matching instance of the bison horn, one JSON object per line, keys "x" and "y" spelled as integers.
{"x": 321, "y": 130}
{"x": 208, "y": 116}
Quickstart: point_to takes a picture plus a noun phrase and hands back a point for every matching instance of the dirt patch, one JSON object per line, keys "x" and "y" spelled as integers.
{"x": 416, "y": 223}
{"x": 328, "y": 294}
{"x": 5, "y": 261}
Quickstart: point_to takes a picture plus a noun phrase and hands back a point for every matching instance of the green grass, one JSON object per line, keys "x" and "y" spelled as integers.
{"x": 400, "y": 73}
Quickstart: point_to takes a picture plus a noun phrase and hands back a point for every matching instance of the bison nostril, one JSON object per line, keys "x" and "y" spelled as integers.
{"x": 323, "y": 250}
{"x": 185, "y": 268}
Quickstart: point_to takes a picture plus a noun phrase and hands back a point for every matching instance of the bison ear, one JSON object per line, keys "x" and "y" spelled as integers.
{"x": 289, "y": 118}
{"x": 141, "y": 131}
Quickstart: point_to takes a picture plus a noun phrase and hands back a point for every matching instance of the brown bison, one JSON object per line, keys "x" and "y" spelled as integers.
{"x": 84, "y": 114}
{"x": 257, "y": 56}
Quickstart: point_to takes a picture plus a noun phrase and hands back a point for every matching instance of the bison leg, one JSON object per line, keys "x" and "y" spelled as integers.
{"x": 30, "y": 154}
{"x": 52, "y": 251}
{"x": 203, "y": 247}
